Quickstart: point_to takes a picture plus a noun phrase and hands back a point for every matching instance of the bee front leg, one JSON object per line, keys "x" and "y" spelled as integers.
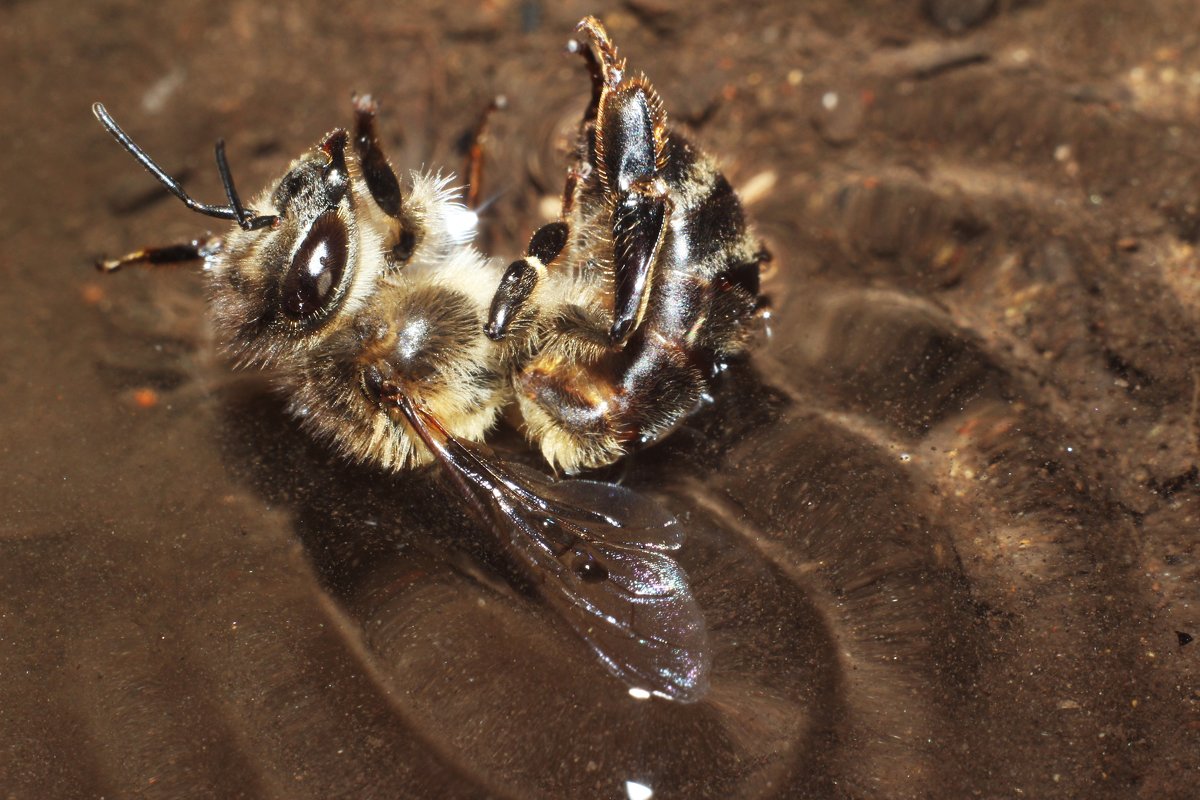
{"x": 380, "y": 178}
{"x": 195, "y": 250}
{"x": 382, "y": 182}
{"x": 473, "y": 171}
{"x": 377, "y": 172}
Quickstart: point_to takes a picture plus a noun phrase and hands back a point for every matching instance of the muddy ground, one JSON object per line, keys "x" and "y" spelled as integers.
{"x": 943, "y": 523}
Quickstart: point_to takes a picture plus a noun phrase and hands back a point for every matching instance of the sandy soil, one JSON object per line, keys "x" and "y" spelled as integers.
{"x": 944, "y": 523}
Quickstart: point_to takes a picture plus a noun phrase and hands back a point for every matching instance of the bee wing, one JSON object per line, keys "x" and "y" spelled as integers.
{"x": 598, "y": 553}
{"x": 610, "y": 574}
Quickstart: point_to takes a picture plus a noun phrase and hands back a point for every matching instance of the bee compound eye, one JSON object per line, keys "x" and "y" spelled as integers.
{"x": 316, "y": 270}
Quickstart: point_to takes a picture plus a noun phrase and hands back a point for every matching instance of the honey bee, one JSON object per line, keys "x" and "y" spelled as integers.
{"x": 368, "y": 300}
{"x": 646, "y": 285}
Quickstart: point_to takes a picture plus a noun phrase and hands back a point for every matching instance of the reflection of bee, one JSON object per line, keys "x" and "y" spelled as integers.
{"x": 645, "y": 286}
{"x": 369, "y": 302}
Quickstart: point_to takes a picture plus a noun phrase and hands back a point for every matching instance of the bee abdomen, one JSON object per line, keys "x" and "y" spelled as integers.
{"x": 709, "y": 285}
{"x": 708, "y": 217}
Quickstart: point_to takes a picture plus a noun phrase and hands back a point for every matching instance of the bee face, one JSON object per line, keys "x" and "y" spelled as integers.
{"x": 280, "y": 291}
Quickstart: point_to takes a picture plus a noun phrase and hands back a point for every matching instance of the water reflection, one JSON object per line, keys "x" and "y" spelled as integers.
{"x": 944, "y": 520}
{"x": 835, "y": 602}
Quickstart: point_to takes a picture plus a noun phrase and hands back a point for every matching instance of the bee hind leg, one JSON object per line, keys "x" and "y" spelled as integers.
{"x": 629, "y": 151}
{"x": 637, "y": 236}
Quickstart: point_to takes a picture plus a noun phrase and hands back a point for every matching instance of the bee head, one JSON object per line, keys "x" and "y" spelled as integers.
{"x": 277, "y": 287}
{"x": 308, "y": 252}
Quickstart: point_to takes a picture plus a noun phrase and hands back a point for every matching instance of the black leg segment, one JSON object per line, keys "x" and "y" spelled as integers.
{"x": 377, "y": 172}
{"x": 638, "y": 224}
{"x": 511, "y": 299}
{"x": 548, "y": 241}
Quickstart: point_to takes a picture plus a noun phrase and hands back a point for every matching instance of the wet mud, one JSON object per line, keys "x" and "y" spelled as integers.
{"x": 943, "y": 522}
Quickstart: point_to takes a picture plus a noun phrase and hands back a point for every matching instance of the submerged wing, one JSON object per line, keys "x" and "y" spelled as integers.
{"x": 599, "y": 554}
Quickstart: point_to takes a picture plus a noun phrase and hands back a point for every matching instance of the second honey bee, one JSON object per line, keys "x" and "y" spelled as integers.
{"x": 646, "y": 285}
{"x": 390, "y": 337}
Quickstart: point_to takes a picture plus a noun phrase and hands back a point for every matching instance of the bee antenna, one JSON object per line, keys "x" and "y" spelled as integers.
{"x": 246, "y": 218}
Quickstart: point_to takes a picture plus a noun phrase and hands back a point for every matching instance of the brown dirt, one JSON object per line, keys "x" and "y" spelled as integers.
{"x": 944, "y": 523}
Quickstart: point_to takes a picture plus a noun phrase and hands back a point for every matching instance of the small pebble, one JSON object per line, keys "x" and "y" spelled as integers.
{"x": 957, "y": 16}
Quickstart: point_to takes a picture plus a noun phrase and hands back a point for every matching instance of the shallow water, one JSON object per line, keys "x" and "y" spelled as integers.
{"x": 943, "y": 523}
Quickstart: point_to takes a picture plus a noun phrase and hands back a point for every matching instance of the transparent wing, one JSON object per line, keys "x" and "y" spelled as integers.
{"x": 599, "y": 554}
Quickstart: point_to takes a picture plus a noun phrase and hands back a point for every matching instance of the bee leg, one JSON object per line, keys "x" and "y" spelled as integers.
{"x": 473, "y": 171}
{"x": 377, "y": 172}
{"x": 602, "y": 60}
{"x": 638, "y": 228}
{"x": 167, "y": 255}
{"x": 629, "y": 150}
{"x": 381, "y": 180}
{"x": 630, "y": 154}
{"x": 588, "y": 412}
{"x": 511, "y": 308}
